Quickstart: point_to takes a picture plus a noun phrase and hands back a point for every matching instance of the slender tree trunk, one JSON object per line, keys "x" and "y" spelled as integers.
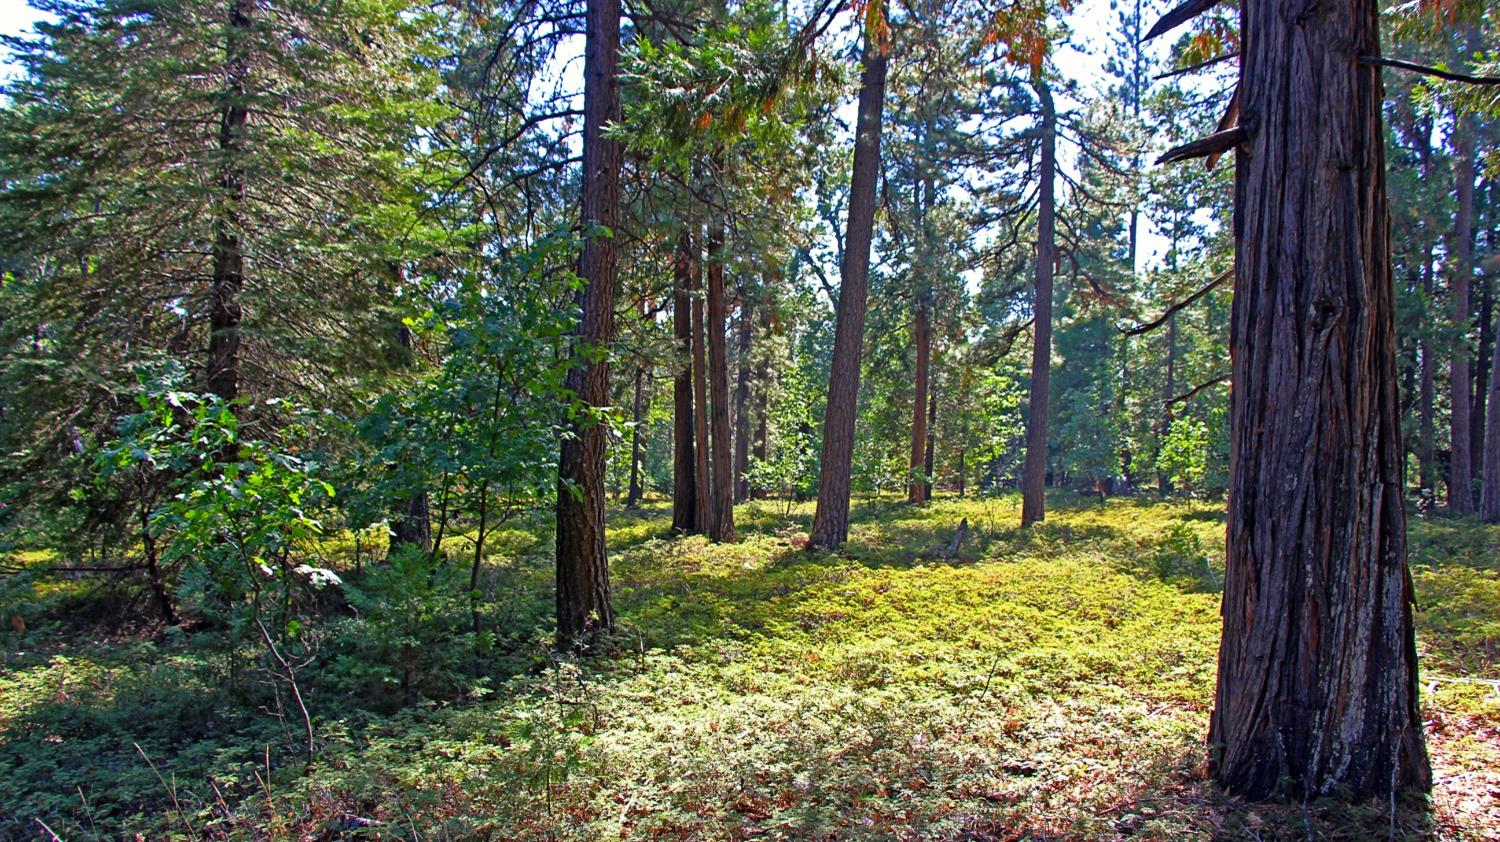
{"x": 154, "y": 576}
{"x": 761, "y": 448}
{"x": 744, "y": 339}
{"x": 636, "y": 492}
{"x": 1169, "y": 391}
{"x": 1489, "y": 497}
{"x": 1481, "y": 377}
{"x": 1426, "y": 459}
{"x": 583, "y": 599}
{"x": 1317, "y": 685}
{"x": 684, "y": 464}
{"x": 703, "y": 492}
{"x": 831, "y": 518}
{"x": 922, "y": 338}
{"x": 224, "y": 309}
{"x": 722, "y": 522}
{"x": 1034, "y": 470}
{"x": 1460, "y": 477}
{"x": 929, "y": 458}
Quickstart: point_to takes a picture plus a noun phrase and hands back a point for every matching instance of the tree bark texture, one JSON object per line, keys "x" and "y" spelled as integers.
{"x": 1317, "y": 684}
{"x": 583, "y": 598}
{"x": 684, "y": 484}
{"x": 1034, "y": 469}
{"x": 831, "y": 517}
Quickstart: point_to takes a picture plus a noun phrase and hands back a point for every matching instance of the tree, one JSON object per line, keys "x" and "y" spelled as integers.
{"x": 1034, "y": 473}
{"x": 1317, "y": 685}
{"x": 831, "y": 517}
{"x": 684, "y": 460}
{"x": 721, "y": 522}
{"x": 583, "y": 598}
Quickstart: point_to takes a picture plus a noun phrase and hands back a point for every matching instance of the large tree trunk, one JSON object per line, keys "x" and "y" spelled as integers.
{"x": 831, "y": 518}
{"x": 1460, "y": 477}
{"x": 583, "y": 606}
{"x": 1489, "y": 497}
{"x": 1317, "y": 685}
{"x": 721, "y": 526}
{"x": 633, "y": 496}
{"x": 742, "y": 399}
{"x": 1034, "y": 470}
{"x": 922, "y": 338}
{"x": 684, "y": 483}
{"x": 224, "y": 309}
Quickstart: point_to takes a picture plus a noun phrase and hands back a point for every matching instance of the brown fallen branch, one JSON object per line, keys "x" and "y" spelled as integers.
{"x": 1179, "y": 16}
{"x": 1188, "y": 395}
{"x": 1206, "y": 63}
{"x": 1215, "y": 144}
{"x": 1186, "y": 302}
{"x": 958, "y": 539}
{"x": 1466, "y": 78}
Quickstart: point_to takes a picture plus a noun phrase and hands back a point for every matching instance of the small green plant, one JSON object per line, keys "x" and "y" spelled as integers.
{"x": 1181, "y": 558}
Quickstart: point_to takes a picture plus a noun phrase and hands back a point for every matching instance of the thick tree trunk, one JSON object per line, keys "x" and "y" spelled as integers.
{"x": 1460, "y": 476}
{"x": 831, "y": 518}
{"x": 684, "y": 463}
{"x": 722, "y": 523}
{"x": 1317, "y": 685}
{"x": 583, "y": 600}
{"x": 742, "y": 400}
{"x": 1034, "y": 470}
{"x": 922, "y": 338}
{"x": 224, "y": 309}
{"x": 1489, "y": 497}
{"x": 633, "y": 496}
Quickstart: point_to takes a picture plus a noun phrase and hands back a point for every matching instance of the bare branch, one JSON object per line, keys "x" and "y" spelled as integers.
{"x": 1186, "y": 302}
{"x": 1179, "y": 16}
{"x": 1215, "y": 144}
{"x": 1423, "y": 69}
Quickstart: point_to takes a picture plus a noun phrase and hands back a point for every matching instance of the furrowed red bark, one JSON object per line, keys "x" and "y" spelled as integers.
{"x": 1034, "y": 470}
{"x": 684, "y": 484}
{"x": 1317, "y": 685}
{"x": 831, "y": 518}
{"x": 583, "y": 598}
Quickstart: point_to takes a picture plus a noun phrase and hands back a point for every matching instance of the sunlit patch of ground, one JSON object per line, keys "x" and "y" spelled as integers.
{"x": 1052, "y": 684}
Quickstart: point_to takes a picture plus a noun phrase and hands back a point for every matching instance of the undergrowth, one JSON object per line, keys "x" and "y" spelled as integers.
{"x": 1051, "y": 684}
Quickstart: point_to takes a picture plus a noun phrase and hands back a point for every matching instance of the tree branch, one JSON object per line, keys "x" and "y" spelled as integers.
{"x": 1423, "y": 69}
{"x": 1215, "y": 144}
{"x": 1186, "y": 302}
{"x": 1195, "y": 390}
{"x": 1179, "y": 16}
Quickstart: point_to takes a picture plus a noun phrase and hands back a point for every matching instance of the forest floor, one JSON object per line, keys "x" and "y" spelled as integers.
{"x": 1053, "y": 684}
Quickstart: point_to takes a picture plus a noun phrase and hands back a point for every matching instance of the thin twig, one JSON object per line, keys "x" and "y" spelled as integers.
{"x": 1402, "y": 64}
